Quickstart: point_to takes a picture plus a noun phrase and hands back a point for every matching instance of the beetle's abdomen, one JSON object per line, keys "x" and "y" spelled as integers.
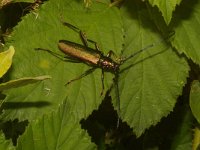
{"x": 78, "y": 52}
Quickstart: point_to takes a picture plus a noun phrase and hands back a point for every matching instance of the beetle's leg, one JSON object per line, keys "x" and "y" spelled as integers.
{"x": 85, "y": 41}
{"x": 51, "y": 52}
{"x": 113, "y": 56}
{"x": 81, "y": 33}
{"x": 116, "y": 3}
{"x": 87, "y": 72}
{"x": 83, "y": 36}
{"x": 102, "y": 81}
{"x": 59, "y": 56}
{"x": 96, "y": 45}
{"x": 110, "y": 54}
{"x": 117, "y": 97}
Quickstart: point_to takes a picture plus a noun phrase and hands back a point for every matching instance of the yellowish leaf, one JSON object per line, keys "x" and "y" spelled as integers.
{"x": 22, "y": 82}
{"x": 6, "y": 60}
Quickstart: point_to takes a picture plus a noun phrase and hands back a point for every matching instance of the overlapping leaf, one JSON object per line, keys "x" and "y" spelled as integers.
{"x": 194, "y": 99}
{"x": 6, "y": 60}
{"x": 196, "y": 138}
{"x": 21, "y": 82}
{"x": 45, "y": 31}
{"x": 186, "y": 24}
{"x": 149, "y": 83}
{"x": 175, "y": 129}
{"x": 148, "y": 87}
{"x": 58, "y": 130}
{"x": 5, "y": 144}
{"x": 182, "y": 137}
{"x": 166, "y": 7}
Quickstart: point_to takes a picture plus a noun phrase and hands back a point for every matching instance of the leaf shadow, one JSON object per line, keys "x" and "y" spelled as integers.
{"x": 20, "y": 105}
{"x": 183, "y": 12}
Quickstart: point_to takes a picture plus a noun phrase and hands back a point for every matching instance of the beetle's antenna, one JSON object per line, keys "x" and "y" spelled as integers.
{"x": 118, "y": 97}
{"x": 147, "y": 47}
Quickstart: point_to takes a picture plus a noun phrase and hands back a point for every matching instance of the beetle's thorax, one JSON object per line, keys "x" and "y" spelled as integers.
{"x": 108, "y": 64}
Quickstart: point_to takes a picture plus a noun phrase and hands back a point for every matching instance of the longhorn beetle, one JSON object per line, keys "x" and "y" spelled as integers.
{"x": 94, "y": 58}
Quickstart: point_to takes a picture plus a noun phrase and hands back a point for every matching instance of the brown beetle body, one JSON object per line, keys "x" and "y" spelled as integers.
{"x": 88, "y": 55}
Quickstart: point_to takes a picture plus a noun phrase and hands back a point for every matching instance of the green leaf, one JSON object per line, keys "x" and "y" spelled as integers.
{"x": 148, "y": 88}
{"x": 183, "y": 135}
{"x": 22, "y": 82}
{"x": 194, "y": 99}
{"x": 45, "y": 31}
{"x": 58, "y": 130}
{"x": 5, "y": 144}
{"x": 6, "y": 60}
{"x": 196, "y": 140}
{"x": 166, "y": 7}
{"x": 152, "y": 80}
{"x": 186, "y": 24}
{"x": 174, "y": 132}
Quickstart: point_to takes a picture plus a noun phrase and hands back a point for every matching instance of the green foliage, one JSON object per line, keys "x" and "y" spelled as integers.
{"x": 21, "y": 82}
{"x": 5, "y": 144}
{"x": 196, "y": 140}
{"x": 166, "y": 8}
{"x": 6, "y": 60}
{"x": 194, "y": 99}
{"x": 149, "y": 89}
{"x": 186, "y": 39}
{"x": 149, "y": 83}
{"x": 58, "y": 130}
{"x": 5, "y": 64}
